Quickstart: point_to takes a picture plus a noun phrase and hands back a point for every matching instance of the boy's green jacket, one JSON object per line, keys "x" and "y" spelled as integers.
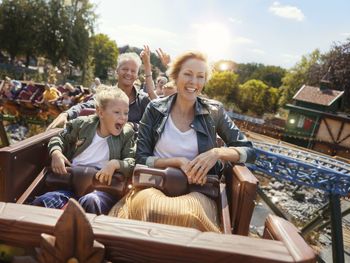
{"x": 78, "y": 135}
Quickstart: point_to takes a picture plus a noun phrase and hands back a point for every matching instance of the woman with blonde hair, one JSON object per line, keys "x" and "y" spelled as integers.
{"x": 180, "y": 131}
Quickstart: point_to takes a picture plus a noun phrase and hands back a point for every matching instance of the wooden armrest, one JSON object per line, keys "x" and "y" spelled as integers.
{"x": 277, "y": 228}
{"x": 244, "y": 188}
{"x": 225, "y": 213}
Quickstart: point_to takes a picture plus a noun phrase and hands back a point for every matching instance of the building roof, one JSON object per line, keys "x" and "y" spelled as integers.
{"x": 318, "y": 96}
{"x": 303, "y": 110}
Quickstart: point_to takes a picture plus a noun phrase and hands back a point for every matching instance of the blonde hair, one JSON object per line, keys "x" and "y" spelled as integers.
{"x": 105, "y": 93}
{"x": 175, "y": 67}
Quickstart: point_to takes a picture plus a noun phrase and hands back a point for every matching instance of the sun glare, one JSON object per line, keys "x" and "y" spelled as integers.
{"x": 213, "y": 39}
{"x": 223, "y": 66}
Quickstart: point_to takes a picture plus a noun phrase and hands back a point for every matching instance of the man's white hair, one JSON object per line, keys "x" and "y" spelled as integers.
{"x": 129, "y": 56}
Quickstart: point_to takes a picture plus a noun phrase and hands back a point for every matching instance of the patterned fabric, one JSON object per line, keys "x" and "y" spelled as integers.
{"x": 96, "y": 202}
{"x": 192, "y": 210}
{"x": 55, "y": 199}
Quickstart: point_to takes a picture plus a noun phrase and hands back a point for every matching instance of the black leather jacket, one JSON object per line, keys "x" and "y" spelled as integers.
{"x": 210, "y": 119}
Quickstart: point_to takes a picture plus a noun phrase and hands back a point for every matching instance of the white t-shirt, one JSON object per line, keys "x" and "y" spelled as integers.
{"x": 175, "y": 143}
{"x": 95, "y": 155}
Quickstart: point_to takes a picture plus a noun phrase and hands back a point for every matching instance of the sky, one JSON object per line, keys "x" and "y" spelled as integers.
{"x": 261, "y": 31}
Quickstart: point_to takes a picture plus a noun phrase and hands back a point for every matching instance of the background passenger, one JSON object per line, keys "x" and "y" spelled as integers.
{"x": 126, "y": 74}
{"x": 169, "y": 89}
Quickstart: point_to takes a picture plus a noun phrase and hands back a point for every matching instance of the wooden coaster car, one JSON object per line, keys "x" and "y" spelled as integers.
{"x": 60, "y": 236}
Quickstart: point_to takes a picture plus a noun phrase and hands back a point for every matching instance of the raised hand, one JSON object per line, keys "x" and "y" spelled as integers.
{"x": 164, "y": 57}
{"x": 146, "y": 58}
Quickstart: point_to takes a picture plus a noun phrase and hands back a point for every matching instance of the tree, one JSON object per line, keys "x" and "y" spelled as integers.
{"x": 55, "y": 34}
{"x": 81, "y": 13}
{"x": 270, "y": 75}
{"x": 104, "y": 53}
{"x": 255, "y": 96}
{"x": 223, "y": 86}
{"x": 336, "y": 70}
{"x": 298, "y": 76}
{"x": 20, "y": 26}
{"x": 245, "y": 71}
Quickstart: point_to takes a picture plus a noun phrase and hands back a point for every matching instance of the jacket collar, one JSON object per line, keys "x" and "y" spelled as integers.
{"x": 164, "y": 105}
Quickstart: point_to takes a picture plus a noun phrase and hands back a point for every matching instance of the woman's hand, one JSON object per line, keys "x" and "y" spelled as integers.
{"x": 164, "y": 57}
{"x": 182, "y": 163}
{"x": 58, "y": 162}
{"x": 197, "y": 169}
{"x": 105, "y": 174}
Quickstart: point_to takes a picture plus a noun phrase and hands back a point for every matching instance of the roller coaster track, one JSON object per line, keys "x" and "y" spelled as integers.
{"x": 303, "y": 167}
{"x": 306, "y": 168}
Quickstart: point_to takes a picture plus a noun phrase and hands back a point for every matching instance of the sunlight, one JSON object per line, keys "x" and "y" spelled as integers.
{"x": 213, "y": 39}
{"x": 223, "y": 66}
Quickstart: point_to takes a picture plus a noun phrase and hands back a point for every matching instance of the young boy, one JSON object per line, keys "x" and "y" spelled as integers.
{"x": 104, "y": 141}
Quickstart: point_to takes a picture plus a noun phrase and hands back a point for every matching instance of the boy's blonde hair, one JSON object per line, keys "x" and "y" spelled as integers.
{"x": 105, "y": 93}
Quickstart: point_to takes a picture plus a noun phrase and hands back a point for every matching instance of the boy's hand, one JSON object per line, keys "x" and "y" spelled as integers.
{"x": 58, "y": 162}
{"x": 106, "y": 173}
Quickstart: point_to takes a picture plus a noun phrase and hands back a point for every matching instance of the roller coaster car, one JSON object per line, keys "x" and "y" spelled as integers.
{"x": 22, "y": 176}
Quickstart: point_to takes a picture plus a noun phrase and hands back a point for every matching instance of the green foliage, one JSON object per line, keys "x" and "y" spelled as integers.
{"x": 255, "y": 96}
{"x": 270, "y": 75}
{"x": 89, "y": 69}
{"x": 54, "y": 29}
{"x": 20, "y": 24}
{"x": 223, "y": 86}
{"x": 105, "y": 55}
{"x": 245, "y": 71}
{"x": 297, "y": 76}
{"x": 336, "y": 69}
{"x": 81, "y": 25}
